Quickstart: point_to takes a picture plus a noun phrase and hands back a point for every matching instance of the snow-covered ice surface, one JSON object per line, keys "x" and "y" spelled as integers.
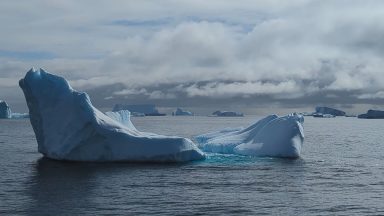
{"x": 68, "y": 127}
{"x": 271, "y": 136}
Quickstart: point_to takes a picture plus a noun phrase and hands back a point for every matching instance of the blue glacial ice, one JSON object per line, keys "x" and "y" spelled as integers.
{"x": 272, "y": 136}
{"x": 68, "y": 127}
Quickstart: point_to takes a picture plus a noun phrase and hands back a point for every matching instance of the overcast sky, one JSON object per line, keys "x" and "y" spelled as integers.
{"x": 198, "y": 53}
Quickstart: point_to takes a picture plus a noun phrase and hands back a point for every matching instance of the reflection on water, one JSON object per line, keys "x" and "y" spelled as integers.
{"x": 60, "y": 187}
{"x": 68, "y": 188}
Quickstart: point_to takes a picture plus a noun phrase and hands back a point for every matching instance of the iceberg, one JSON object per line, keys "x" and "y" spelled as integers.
{"x": 68, "y": 127}
{"x": 20, "y": 115}
{"x": 141, "y": 109}
{"x": 227, "y": 114}
{"x": 180, "y": 112}
{"x": 330, "y": 111}
{"x": 5, "y": 111}
{"x": 372, "y": 114}
{"x": 321, "y": 115}
{"x": 272, "y": 136}
{"x": 136, "y": 114}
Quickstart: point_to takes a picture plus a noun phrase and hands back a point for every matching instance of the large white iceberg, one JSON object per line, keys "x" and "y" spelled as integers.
{"x": 271, "y": 136}
{"x": 5, "y": 111}
{"x": 68, "y": 127}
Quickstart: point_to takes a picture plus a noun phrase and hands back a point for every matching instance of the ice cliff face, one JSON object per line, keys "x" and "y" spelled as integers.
{"x": 68, "y": 127}
{"x": 5, "y": 111}
{"x": 271, "y": 136}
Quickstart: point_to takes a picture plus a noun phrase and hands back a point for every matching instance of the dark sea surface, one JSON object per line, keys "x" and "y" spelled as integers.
{"x": 341, "y": 172}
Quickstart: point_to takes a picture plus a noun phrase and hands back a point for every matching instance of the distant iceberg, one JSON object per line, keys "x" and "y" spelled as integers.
{"x": 68, "y": 127}
{"x": 271, "y": 136}
{"x": 321, "y": 115}
{"x": 372, "y": 114}
{"x": 5, "y": 111}
{"x": 136, "y": 114}
{"x": 180, "y": 112}
{"x": 139, "y": 109}
{"x": 227, "y": 114}
{"x": 20, "y": 115}
{"x": 330, "y": 111}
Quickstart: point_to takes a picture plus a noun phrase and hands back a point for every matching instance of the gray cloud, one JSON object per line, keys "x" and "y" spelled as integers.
{"x": 379, "y": 94}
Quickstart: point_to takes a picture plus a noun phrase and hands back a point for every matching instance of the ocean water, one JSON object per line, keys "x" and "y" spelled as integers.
{"x": 341, "y": 172}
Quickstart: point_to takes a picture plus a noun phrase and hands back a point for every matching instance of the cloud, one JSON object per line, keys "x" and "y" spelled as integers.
{"x": 131, "y": 92}
{"x": 377, "y": 95}
{"x": 161, "y": 95}
{"x": 142, "y": 92}
{"x": 8, "y": 82}
{"x": 277, "y": 49}
{"x": 226, "y": 90}
{"x": 93, "y": 82}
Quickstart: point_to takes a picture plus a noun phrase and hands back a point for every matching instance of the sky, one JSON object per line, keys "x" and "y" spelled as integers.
{"x": 248, "y": 55}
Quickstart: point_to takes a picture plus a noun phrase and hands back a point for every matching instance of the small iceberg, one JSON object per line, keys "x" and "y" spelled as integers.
{"x": 20, "y": 115}
{"x": 272, "y": 136}
{"x": 372, "y": 114}
{"x": 329, "y": 111}
{"x": 227, "y": 114}
{"x": 68, "y": 127}
{"x": 180, "y": 112}
{"x": 5, "y": 111}
{"x": 136, "y": 114}
{"x": 139, "y": 109}
{"x": 321, "y": 115}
